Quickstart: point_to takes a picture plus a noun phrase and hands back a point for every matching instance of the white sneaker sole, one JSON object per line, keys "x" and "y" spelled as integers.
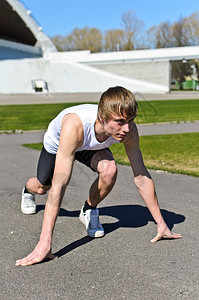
{"x": 28, "y": 212}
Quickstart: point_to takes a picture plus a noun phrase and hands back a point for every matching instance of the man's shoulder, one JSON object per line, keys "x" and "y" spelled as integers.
{"x": 86, "y": 112}
{"x": 72, "y": 127}
{"x": 85, "y": 106}
{"x": 83, "y": 111}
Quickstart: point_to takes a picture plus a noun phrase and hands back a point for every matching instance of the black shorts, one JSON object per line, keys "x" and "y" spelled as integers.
{"x": 46, "y": 164}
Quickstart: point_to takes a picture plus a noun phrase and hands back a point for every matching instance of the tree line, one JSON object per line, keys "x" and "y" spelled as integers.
{"x": 132, "y": 36}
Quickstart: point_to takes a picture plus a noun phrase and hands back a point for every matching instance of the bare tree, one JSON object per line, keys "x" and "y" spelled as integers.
{"x": 160, "y": 36}
{"x": 184, "y": 32}
{"x": 58, "y": 41}
{"x": 114, "y": 40}
{"x": 151, "y": 37}
{"x": 132, "y": 28}
{"x": 179, "y": 34}
{"x": 83, "y": 39}
{"x": 191, "y": 24}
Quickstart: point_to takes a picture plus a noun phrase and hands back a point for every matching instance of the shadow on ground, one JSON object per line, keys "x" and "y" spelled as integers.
{"x": 128, "y": 216}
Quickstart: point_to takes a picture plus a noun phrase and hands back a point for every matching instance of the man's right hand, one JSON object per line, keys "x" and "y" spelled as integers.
{"x": 40, "y": 253}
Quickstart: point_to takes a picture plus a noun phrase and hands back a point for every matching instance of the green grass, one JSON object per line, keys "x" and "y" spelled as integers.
{"x": 38, "y": 116}
{"x": 36, "y": 146}
{"x": 29, "y": 117}
{"x": 167, "y": 111}
{"x": 177, "y": 153}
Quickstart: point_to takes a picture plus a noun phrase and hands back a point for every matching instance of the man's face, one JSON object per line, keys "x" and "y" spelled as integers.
{"x": 118, "y": 127}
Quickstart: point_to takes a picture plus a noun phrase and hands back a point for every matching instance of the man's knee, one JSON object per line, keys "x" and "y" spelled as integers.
{"x": 108, "y": 171}
{"x": 140, "y": 180}
{"x": 42, "y": 189}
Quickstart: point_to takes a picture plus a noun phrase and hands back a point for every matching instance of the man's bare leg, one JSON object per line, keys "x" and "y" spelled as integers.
{"x": 35, "y": 187}
{"x": 103, "y": 162}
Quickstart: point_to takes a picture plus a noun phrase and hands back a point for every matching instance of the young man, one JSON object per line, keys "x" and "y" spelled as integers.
{"x": 84, "y": 133}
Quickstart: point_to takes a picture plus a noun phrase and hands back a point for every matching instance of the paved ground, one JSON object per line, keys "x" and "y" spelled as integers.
{"x": 121, "y": 265}
{"x": 85, "y": 97}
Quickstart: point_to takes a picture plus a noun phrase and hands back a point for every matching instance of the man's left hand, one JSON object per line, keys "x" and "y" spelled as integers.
{"x": 165, "y": 234}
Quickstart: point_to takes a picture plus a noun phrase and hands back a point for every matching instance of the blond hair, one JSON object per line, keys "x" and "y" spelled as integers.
{"x": 117, "y": 101}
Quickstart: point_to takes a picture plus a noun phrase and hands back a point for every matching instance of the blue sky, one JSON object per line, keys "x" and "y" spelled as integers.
{"x": 62, "y": 16}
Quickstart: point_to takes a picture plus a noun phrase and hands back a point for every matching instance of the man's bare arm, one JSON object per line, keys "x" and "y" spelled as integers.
{"x": 71, "y": 139}
{"x": 145, "y": 185}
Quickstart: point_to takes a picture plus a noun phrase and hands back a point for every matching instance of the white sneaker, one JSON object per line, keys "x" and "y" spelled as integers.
{"x": 91, "y": 220}
{"x": 28, "y": 205}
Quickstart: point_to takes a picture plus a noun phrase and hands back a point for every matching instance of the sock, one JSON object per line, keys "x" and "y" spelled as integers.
{"x": 87, "y": 206}
{"x": 26, "y": 191}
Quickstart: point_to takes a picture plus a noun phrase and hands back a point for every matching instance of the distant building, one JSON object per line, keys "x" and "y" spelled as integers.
{"x": 30, "y": 63}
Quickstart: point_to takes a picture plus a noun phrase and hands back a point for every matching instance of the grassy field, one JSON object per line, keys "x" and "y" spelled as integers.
{"x": 178, "y": 153}
{"x": 32, "y": 117}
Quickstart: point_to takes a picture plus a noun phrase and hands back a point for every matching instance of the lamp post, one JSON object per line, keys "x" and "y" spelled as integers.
{"x": 193, "y": 66}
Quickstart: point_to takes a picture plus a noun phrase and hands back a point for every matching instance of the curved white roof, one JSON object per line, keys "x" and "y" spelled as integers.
{"x": 17, "y": 25}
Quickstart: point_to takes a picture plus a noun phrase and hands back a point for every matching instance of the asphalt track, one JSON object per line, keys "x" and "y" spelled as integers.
{"x": 121, "y": 265}
{"x": 39, "y": 98}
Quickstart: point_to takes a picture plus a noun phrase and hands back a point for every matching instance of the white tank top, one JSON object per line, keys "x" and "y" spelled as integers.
{"x": 88, "y": 116}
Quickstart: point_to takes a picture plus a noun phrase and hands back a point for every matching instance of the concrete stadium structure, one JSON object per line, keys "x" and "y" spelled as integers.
{"x": 29, "y": 61}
